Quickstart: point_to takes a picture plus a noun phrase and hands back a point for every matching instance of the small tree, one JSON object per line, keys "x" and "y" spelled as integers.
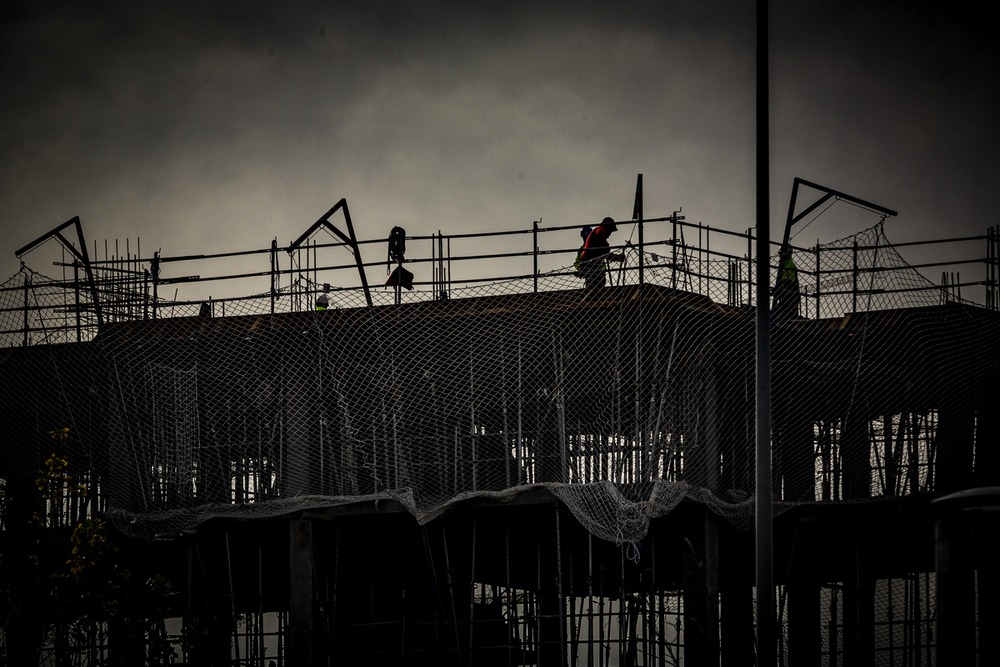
{"x": 69, "y": 591}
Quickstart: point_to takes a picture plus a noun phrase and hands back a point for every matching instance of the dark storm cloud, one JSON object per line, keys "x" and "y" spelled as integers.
{"x": 894, "y": 101}
{"x": 214, "y": 126}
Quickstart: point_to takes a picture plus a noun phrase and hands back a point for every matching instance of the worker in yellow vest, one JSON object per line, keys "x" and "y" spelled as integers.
{"x": 786, "y": 290}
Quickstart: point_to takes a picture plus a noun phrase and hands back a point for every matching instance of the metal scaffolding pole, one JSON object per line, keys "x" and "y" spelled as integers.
{"x": 764, "y": 519}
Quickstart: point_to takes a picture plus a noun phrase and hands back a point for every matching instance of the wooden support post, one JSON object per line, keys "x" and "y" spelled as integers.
{"x": 301, "y": 628}
{"x": 701, "y": 589}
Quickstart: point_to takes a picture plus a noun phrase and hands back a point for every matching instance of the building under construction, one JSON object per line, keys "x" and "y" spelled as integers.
{"x": 518, "y": 470}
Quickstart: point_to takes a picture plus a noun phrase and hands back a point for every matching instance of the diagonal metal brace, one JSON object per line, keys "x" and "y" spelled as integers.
{"x": 81, "y": 255}
{"x": 349, "y": 239}
{"x": 829, "y": 193}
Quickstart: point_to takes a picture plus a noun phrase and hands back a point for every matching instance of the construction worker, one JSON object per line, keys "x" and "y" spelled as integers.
{"x": 786, "y": 291}
{"x": 596, "y": 253}
{"x": 322, "y": 302}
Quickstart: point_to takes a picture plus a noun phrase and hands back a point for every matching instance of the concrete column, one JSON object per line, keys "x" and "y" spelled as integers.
{"x": 956, "y": 436}
{"x": 859, "y": 613}
{"x": 737, "y": 619}
{"x": 854, "y": 447}
{"x": 302, "y": 401}
{"x": 988, "y": 554}
{"x": 803, "y": 622}
{"x": 701, "y": 590}
{"x": 956, "y": 601}
{"x": 301, "y": 628}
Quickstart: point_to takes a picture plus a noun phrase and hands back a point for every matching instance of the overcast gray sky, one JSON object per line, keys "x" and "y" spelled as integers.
{"x": 212, "y": 127}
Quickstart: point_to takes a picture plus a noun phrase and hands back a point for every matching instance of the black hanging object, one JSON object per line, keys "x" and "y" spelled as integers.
{"x": 397, "y": 244}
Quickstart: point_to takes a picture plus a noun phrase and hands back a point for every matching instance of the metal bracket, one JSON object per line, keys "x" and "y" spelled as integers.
{"x": 348, "y": 239}
{"x": 829, "y": 193}
{"x": 80, "y": 255}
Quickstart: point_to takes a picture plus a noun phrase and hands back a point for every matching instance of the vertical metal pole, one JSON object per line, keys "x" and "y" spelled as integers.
{"x": 504, "y": 435}
{"x": 534, "y": 252}
{"x": 156, "y": 280}
{"x": 708, "y": 260}
{"x": 995, "y": 266}
{"x": 817, "y": 279}
{"x": 764, "y": 518}
{"x": 637, "y": 434}
{"x": 559, "y": 593}
{"x": 76, "y": 299}
{"x": 590, "y": 598}
{"x": 637, "y": 215}
{"x": 27, "y": 286}
{"x": 274, "y": 272}
{"x": 854, "y": 280}
{"x": 538, "y": 611}
{"x": 701, "y": 257}
{"x": 442, "y": 289}
{"x": 520, "y": 402}
{"x": 560, "y": 406}
{"x": 989, "y": 268}
{"x": 639, "y": 366}
{"x": 673, "y": 261}
{"x": 472, "y": 592}
{"x": 399, "y": 282}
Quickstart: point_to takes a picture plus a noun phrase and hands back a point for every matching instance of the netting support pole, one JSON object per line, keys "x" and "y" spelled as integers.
{"x": 764, "y": 517}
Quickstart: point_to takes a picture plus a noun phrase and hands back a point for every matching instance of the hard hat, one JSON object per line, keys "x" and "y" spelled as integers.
{"x": 585, "y": 232}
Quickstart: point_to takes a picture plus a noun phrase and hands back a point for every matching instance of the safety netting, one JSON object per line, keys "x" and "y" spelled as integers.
{"x": 622, "y": 399}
